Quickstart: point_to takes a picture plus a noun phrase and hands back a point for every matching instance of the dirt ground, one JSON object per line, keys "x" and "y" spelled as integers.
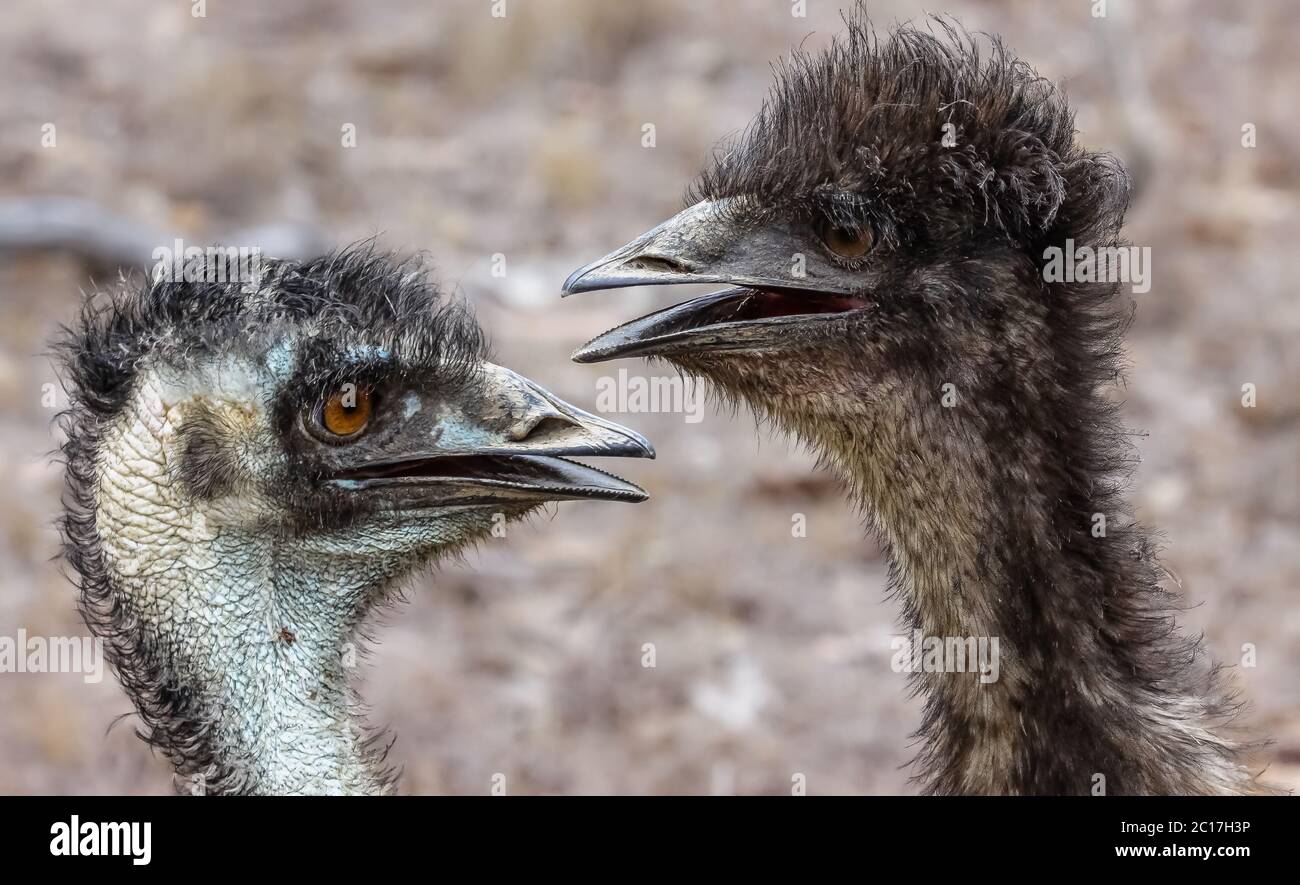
{"x": 522, "y": 136}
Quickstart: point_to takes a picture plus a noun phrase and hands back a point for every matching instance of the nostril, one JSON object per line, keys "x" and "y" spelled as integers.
{"x": 659, "y": 264}
{"x": 539, "y": 427}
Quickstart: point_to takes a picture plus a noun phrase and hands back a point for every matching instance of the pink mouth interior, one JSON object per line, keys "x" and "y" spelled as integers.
{"x": 762, "y": 304}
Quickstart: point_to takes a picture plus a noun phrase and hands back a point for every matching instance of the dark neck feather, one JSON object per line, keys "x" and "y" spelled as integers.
{"x": 993, "y": 530}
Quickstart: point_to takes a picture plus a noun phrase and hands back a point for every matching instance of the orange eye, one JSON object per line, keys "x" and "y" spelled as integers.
{"x": 347, "y": 411}
{"x": 848, "y": 243}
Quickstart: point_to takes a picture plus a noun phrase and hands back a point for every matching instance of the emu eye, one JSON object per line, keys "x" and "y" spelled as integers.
{"x": 847, "y": 243}
{"x": 347, "y": 411}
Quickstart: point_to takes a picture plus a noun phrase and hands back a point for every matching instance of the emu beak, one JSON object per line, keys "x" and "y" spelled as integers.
{"x": 777, "y": 278}
{"x": 503, "y": 441}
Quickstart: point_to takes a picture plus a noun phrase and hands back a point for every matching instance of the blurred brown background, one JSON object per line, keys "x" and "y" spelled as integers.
{"x": 522, "y": 136}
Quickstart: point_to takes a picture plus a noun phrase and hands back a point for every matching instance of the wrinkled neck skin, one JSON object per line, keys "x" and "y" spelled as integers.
{"x": 238, "y": 643}
{"x": 990, "y": 536}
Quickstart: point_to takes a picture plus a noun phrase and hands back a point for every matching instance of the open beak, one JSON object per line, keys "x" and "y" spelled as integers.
{"x": 504, "y": 441}
{"x": 775, "y": 280}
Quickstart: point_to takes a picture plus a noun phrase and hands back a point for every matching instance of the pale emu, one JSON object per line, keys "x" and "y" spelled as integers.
{"x": 254, "y": 465}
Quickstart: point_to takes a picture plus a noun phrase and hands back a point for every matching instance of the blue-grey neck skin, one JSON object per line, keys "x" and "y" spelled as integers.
{"x": 231, "y": 544}
{"x": 252, "y": 625}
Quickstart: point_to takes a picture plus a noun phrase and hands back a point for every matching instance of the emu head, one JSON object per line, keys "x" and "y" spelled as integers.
{"x": 252, "y": 464}
{"x": 880, "y": 230}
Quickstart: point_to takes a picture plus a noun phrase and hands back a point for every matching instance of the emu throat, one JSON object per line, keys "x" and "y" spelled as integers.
{"x": 209, "y": 607}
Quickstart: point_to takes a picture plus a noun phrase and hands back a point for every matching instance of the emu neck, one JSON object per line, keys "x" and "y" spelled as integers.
{"x": 234, "y": 646}
{"x": 271, "y": 666}
{"x": 993, "y": 534}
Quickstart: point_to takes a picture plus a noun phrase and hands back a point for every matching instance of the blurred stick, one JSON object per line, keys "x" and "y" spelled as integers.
{"x": 109, "y": 239}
